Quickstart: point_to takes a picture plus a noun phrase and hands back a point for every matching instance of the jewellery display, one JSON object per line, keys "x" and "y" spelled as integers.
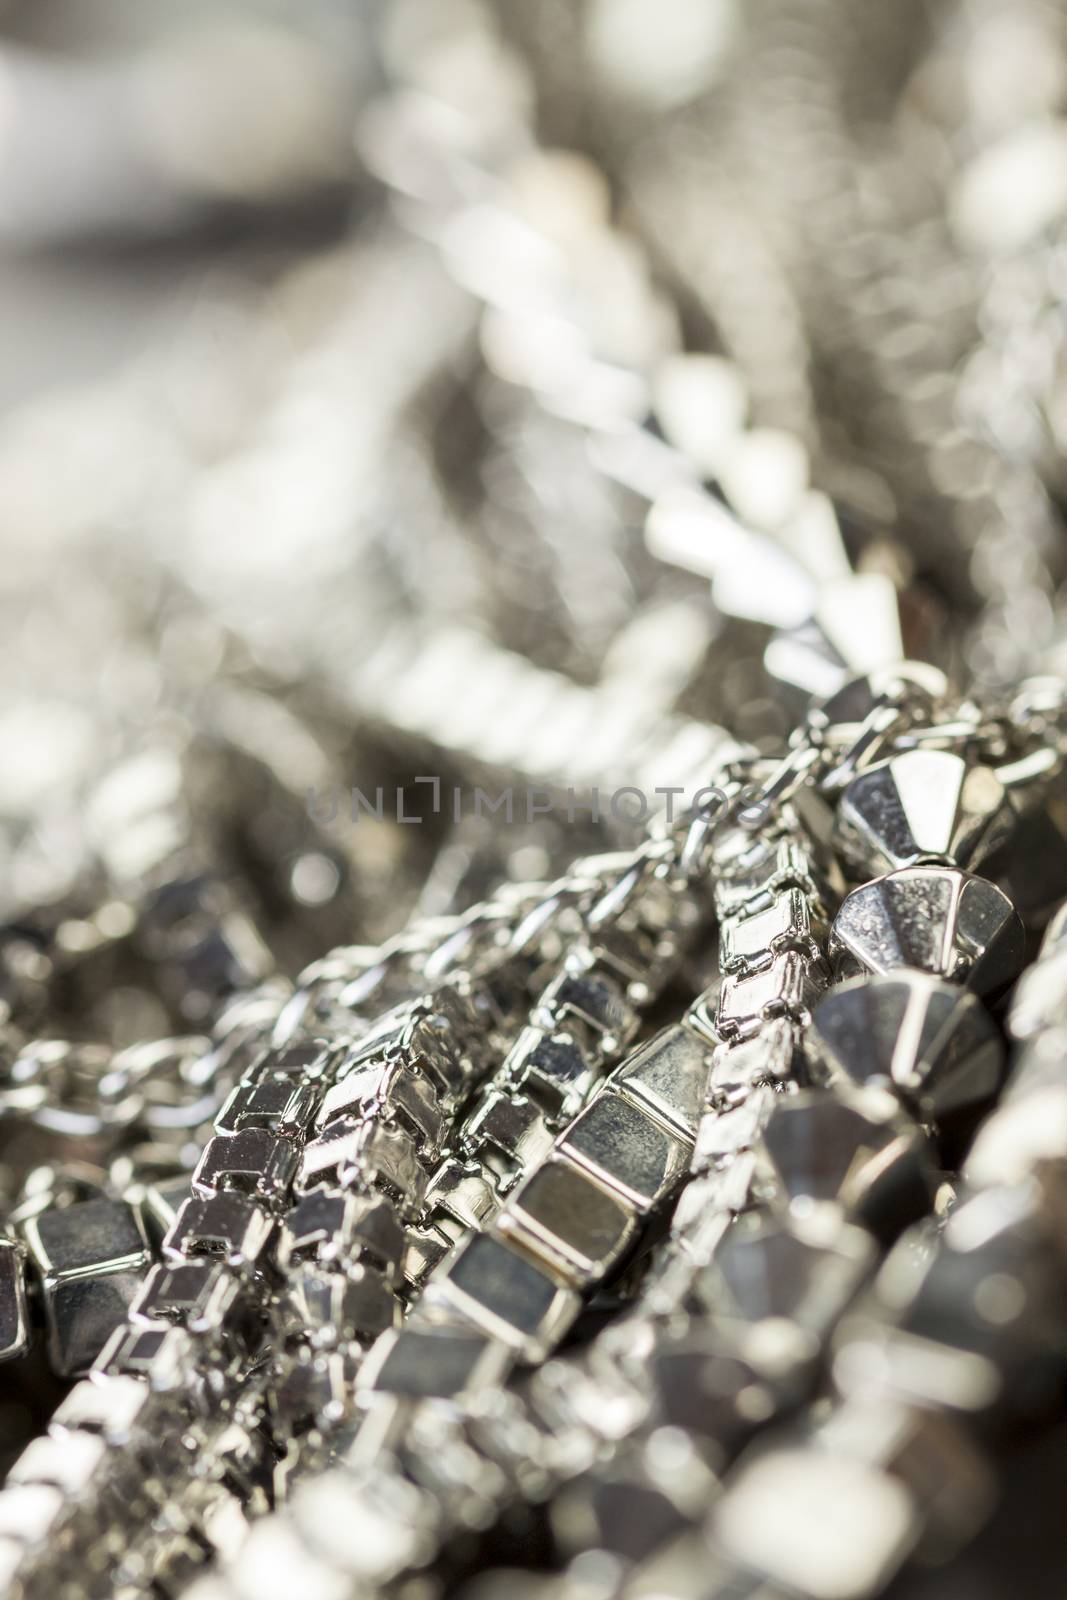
{"x": 516, "y": 1069}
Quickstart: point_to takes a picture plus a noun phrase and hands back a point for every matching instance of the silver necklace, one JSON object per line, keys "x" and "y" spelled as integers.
{"x": 337, "y": 1347}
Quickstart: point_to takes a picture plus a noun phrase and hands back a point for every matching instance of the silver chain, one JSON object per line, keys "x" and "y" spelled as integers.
{"x": 637, "y": 1190}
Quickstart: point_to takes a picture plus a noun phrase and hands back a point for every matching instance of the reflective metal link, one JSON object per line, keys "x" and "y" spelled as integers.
{"x": 672, "y": 1204}
{"x": 331, "y": 1158}
{"x": 202, "y": 1304}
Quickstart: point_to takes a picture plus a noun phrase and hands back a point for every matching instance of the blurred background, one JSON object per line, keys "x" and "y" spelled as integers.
{"x": 271, "y": 522}
{"x": 272, "y": 504}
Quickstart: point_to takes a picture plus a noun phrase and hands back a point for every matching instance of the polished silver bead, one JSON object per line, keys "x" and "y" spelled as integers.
{"x": 228, "y": 1225}
{"x": 503, "y": 1294}
{"x": 252, "y": 1162}
{"x": 930, "y": 1042}
{"x": 788, "y": 987}
{"x": 934, "y": 919}
{"x": 669, "y": 1075}
{"x": 68, "y": 1461}
{"x": 562, "y": 1215}
{"x": 768, "y": 1273}
{"x": 198, "y": 1294}
{"x": 329, "y": 1227}
{"x": 553, "y": 1068}
{"x": 83, "y": 1314}
{"x": 847, "y": 1151}
{"x": 108, "y": 1406}
{"x": 991, "y": 1287}
{"x": 439, "y": 1363}
{"x": 94, "y": 1236}
{"x": 627, "y": 1151}
{"x": 92, "y": 1258}
{"x": 696, "y": 1386}
{"x": 924, "y": 805}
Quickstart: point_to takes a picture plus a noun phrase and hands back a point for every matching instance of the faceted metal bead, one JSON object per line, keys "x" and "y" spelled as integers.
{"x": 227, "y": 1225}
{"x": 439, "y": 1363}
{"x": 695, "y": 1386}
{"x": 91, "y": 1237}
{"x": 563, "y": 1216}
{"x": 931, "y": 1043}
{"x": 851, "y": 1149}
{"x": 934, "y": 919}
{"x": 774, "y": 1291}
{"x": 505, "y": 1295}
{"x": 924, "y": 805}
{"x": 669, "y": 1075}
{"x": 91, "y": 1257}
{"x": 992, "y": 1288}
{"x": 82, "y": 1315}
{"x": 627, "y": 1151}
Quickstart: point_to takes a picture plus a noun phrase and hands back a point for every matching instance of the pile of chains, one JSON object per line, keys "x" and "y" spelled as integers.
{"x": 646, "y": 1175}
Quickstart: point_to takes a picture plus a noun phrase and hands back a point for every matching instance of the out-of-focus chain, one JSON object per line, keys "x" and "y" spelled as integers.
{"x": 432, "y": 1163}
{"x": 514, "y": 1287}
{"x": 907, "y": 248}
{"x": 382, "y": 1190}
{"x": 809, "y": 1115}
{"x": 800, "y": 1176}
